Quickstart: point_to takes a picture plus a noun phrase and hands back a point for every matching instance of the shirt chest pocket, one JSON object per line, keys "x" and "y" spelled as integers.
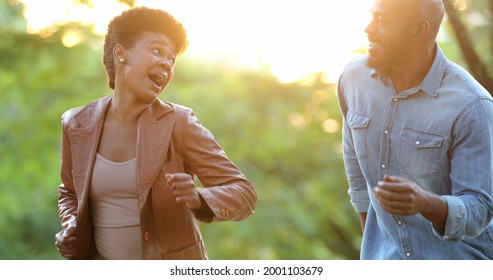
{"x": 162, "y": 195}
{"x": 420, "y": 152}
{"x": 358, "y": 123}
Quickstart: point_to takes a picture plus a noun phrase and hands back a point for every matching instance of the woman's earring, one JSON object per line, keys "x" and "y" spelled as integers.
{"x": 122, "y": 60}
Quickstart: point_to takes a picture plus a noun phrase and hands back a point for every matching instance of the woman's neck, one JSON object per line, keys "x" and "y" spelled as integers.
{"x": 124, "y": 111}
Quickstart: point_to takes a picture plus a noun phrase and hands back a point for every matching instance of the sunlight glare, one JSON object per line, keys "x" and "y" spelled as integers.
{"x": 64, "y": 11}
{"x": 331, "y": 126}
{"x": 290, "y": 38}
{"x": 71, "y": 38}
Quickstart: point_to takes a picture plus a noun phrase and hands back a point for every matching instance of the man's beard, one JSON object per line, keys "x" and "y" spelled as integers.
{"x": 383, "y": 62}
{"x": 388, "y": 57}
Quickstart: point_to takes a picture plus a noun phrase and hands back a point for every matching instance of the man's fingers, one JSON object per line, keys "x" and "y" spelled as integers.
{"x": 397, "y": 187}
{"x": 387, "y": 194}
{"x": 395, "y": 179}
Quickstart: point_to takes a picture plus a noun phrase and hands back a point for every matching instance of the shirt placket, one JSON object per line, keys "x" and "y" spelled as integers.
{"x": 389, "y": 118}
{"x": 384, "y": 160}
{"x": 404, "y": 236}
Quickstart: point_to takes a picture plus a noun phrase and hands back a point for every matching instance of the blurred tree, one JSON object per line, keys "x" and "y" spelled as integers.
{"x": 90, "y": 3}
{"x": 130, "y": 3}
{"x": 39, "y": 79}
{"x": 460, "y": 11}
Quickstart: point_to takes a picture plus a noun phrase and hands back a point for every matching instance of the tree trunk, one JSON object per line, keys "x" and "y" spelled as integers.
{"x": 491, "y": 24}
{"x": 474, "y": 63}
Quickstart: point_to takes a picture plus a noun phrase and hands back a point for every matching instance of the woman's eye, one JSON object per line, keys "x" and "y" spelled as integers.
{"x": 156, "y": 51}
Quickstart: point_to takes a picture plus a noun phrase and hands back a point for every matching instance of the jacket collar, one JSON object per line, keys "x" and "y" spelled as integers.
{"x": 95, "y": 111}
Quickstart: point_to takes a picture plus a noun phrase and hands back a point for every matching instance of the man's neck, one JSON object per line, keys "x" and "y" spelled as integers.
{"x": 412, "y": 73}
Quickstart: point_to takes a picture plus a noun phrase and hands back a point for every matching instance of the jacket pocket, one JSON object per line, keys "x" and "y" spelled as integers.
{"x": 194, "y": 252}
{"x": 162, "y": 195}
{"x": 358, "y": 123}
{"x": 420, "y": 152}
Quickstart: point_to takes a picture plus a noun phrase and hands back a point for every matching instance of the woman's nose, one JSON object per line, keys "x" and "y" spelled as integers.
{"x": 166, "y": 63}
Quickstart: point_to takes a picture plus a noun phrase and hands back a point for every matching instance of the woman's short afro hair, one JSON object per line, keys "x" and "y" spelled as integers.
{"x": 126, "y": 28}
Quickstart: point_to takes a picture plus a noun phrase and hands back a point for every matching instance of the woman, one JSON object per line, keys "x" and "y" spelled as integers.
{"x": 129, "y": 159}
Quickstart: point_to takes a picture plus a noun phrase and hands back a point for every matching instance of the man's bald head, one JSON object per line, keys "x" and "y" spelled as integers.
{"x": 431, "y": 11}
{"x": 402, "y": 31}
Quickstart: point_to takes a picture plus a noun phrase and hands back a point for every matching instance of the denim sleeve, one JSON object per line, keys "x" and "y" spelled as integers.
{"x": 470, "y": 204}
{"x": 358, "y": 191}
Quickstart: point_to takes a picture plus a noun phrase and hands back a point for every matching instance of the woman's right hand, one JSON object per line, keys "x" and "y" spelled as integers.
{"x": 66, "y": 242}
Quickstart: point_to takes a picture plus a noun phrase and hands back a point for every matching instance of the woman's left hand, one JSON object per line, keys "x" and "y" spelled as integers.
{"x": 184, "y": 189}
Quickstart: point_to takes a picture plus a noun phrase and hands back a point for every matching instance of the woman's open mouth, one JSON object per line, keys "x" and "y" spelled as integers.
{"x": 158, "y": 79}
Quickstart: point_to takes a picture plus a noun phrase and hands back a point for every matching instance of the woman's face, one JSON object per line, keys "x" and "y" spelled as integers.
{"x": 148, "y": 67}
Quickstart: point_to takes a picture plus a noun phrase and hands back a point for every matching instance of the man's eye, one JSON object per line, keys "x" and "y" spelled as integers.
{"x": 156, "y": 51}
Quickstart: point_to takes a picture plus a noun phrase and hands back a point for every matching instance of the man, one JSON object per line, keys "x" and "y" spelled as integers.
{"x": 418, "y": 141}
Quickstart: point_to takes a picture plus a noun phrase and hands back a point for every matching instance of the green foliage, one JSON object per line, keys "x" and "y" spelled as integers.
{"x": 479, "y": 22}
{"x": 39, "y": 79}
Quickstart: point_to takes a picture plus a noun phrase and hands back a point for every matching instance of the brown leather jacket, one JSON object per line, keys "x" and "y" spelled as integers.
{"x": 170, "y": 139}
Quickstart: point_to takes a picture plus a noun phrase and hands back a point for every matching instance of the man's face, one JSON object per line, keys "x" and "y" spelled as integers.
{"x": 389, "y": 33}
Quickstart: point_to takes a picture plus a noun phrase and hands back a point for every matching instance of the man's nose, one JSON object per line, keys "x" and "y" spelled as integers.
{"x": 370, "y": 28}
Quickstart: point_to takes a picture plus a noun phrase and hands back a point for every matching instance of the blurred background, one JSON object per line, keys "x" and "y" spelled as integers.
{"x": 261, "y": 75}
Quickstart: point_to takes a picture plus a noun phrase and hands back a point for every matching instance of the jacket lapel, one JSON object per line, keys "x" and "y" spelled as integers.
{"x": 153, "y": 140}
{"x": 84, "y": 143}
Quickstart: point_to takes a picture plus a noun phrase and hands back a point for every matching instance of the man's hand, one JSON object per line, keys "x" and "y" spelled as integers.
{"x": 399, "y": 196}
{"x": 402, "y": 197}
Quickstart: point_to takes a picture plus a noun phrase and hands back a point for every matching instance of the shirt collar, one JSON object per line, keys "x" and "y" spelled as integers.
{"x": 431, "y": 82}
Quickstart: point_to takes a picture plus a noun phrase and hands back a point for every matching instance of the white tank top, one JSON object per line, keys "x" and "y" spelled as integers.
{"x": 114, "y": 209}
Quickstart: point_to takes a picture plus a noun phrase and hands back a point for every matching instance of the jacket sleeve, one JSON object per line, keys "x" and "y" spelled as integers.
{"x": 227, "y": 192}
{"x": 67, "y": 200}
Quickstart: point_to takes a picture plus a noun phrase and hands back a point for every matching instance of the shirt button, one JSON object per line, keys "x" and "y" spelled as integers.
{"x": 383, "y": 166}
{"x": 399, "y": 222}
{"x": 408, "y": 254}
{"x": 386, "y": 131}
{"x": 417, "y": 142}
{"x": 395, "y": 99}
{"x": 146, "y": 236}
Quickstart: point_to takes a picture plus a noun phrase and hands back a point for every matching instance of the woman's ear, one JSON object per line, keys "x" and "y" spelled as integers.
{"x": 119, "y": 53}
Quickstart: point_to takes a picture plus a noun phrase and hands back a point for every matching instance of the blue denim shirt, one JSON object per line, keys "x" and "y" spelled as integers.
{"x": 439, "y": 135}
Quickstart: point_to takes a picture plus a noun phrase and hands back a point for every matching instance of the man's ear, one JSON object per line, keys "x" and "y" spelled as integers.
{"x": 420, "y": 29}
